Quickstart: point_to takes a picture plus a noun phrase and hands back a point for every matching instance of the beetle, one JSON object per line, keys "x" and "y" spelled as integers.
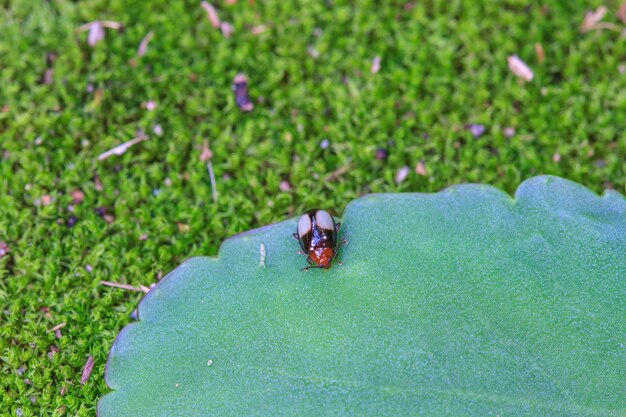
{"x": 317, "y": 234}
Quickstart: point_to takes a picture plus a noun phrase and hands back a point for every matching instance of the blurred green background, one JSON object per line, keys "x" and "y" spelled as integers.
{"x": 443, "y": 103}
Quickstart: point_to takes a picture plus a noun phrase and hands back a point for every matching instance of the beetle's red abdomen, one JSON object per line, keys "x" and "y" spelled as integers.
{"x": 322, "y": 257}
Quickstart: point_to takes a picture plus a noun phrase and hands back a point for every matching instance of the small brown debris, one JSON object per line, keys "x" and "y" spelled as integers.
{"x": 227, "y": 29}
{"x": 284, "y": 186}
{"x": 376, "y": 65}
{"x": 64, "y": 390}
{"x": 99, "y": 186}
{"x": 183, "y": 228}
{"x": 77, "y": 196}
{"x": 313, "y": 53}
{"x": 509, "y": 132}
{"x": 206, "y": 154}
{"x": 46, "y": 312}
{"x": 242, "y": 97}
{"x": 87, "y": 370}
{"x": 477, "y": 130}
{"x": 4, "y": 249}
{"x": 72, "y": 220}
{"x": 58, "y": 334}
{"x": 144, "y": 236}
{"x": 556, "y": 157}
{"x": 96, "y": 34}
{"x": 420, "y": 169}
{"x": 108, "y": 218}
{"x": 519, "y": 68}
{"x": 143, "y": 46}
{"x": 48, "y": 77}
{"x": 621, "y": 12}
{"x": 541, "y": 55}
{"x": 257, "y": 30}
{"x": 47, "y": 199}
{"x": 402, "y": 174}
{"x": 382, "y": 154}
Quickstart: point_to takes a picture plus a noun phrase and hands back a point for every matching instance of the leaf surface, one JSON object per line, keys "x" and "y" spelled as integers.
{"x": 462, "y": 302}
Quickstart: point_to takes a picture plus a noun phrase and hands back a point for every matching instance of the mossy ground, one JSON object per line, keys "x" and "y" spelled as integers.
{"x": 443, "y": 67}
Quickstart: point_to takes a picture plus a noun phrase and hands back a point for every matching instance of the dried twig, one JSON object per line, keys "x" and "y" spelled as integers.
{"x": 593, "y": 21}
{"x": 122, "y": 286}
{"x": 143, "y": 46}
{"x": 338, "y": 172}
{"x": 120, "y": 149}
{"x": 57, "y": 327}
{"x": 519, "y": 68}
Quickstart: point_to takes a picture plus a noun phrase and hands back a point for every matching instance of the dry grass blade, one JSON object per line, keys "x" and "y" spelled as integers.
{"x": 121, "y": 149}
{"x": 143, "y": 46}
{"x": 122, "y": 286}
{"x": 212, "y": 14}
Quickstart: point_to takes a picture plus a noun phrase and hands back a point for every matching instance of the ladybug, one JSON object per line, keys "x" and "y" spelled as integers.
{"x": 317, "y": 235}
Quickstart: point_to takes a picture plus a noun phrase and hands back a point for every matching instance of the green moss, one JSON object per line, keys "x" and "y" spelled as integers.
{"x": 443, "y": 66}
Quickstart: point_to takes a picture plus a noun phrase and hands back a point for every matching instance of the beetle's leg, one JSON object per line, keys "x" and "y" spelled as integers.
{"x": 335, "y": 257}
{"x": 306, "y": 269}
{"x": 295, "y": 235}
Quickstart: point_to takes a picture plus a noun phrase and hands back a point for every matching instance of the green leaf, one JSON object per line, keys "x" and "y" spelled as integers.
{"x": 462, "y": 302}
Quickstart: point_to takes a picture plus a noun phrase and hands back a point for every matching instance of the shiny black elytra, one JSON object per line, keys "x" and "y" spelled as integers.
{"x": 317, "y": 234}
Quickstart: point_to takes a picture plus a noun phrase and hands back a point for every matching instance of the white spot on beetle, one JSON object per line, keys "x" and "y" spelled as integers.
{"x": 324, "y": 220}
{"x": 304, "y": 225}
